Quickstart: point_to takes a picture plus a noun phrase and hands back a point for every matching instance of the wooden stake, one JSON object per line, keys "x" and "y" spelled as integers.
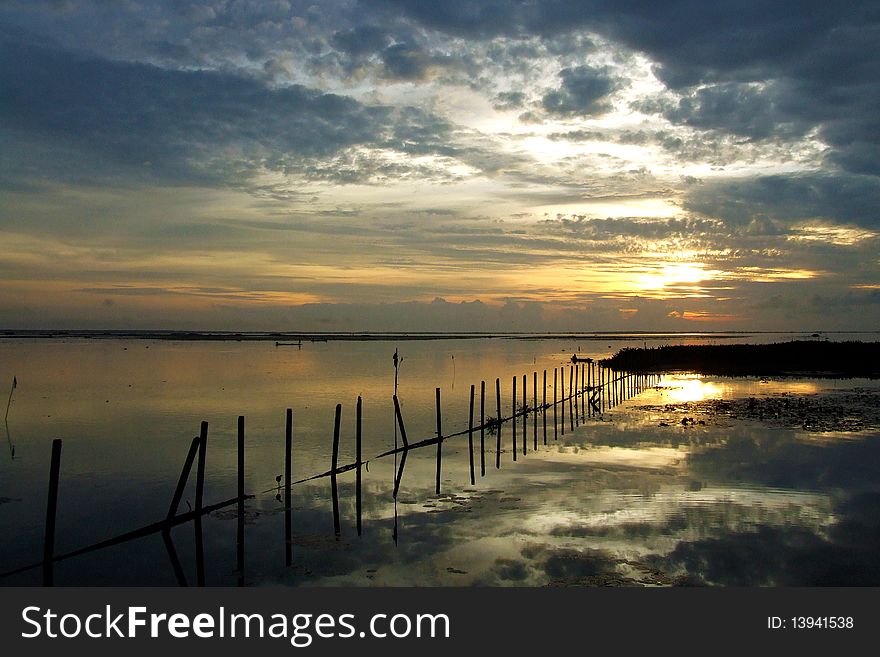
{"x": 200, "y": 496}
{"x": 184, "y": 476}
{"x": 335, "y": 464}
{"x": 555, "y": 437}
{"x": 525, "y": 417}
{"x": 51, "y": 512}
{"x": 535, "y": 409}
{"x": 513, "y": 418}
{"x": 562, "y": 399}
{"x": 240, "y": 528}
{"x": 498, "y": 425}
{"x": 439, "y": 445}
{"x": 360, "y": 466}
{"x": 482, "y": 428}
{"x": 288, "y": 504}
{"x": 544, "y": 406}
{"x": 471, "y": 435}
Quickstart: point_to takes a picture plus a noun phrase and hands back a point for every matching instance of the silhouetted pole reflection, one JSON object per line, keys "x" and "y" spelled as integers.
{"x": 544, "y": 406}
{"x": 535, "y": 408}
{"x": 562, "y": 399}
{"x": 499, "y": 424}
{"x": 555, "y": 437}
{"x": 513, "y": 418}
{"x": 358, "y": 459}
{"x": 482, "y": 428}
{"x": 200, "y": 494}
{"x": 288, "y": 506}
{"x": 584, "y": 390}
{"x": 439, "y": 443}
{"x": 240, "y": 480}
{"x": 51, "y": 512}
{"x": 334, "y": 491}
{"x": 525, "y": 417}
{"x": 471, "y": 435}
{"x": 172, "y": 556}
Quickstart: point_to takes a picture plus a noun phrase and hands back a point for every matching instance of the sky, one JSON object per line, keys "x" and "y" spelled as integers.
{"x": 402, "y": 165}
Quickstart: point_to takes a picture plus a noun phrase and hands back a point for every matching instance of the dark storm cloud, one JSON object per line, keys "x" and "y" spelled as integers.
{"x": 583, "y": 91}
{"x": 192, "y": 126}
{"x": 506, "y": 100}
{"x": 737, "y": 108}
{"x": 816, "y": 60}
{"x": 852, "y": 199}
{"x": 361, "y": 41}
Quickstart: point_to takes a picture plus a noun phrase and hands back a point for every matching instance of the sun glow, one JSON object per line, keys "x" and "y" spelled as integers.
{"x": 691, "y": 389}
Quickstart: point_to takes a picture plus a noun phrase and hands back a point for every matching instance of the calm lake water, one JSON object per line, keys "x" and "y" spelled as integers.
{"x": 630, "y": 497}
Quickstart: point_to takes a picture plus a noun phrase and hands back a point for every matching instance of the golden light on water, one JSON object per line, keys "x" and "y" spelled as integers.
{"x": 692, "y": 389}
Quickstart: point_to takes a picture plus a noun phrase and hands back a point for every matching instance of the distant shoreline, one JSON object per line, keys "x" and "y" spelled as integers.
{"x": 816, "y": 358}
{"x": 285, "y": 337}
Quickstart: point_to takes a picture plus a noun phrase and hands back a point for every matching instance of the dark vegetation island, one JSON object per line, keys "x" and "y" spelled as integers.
{"x": 800, "y": 357}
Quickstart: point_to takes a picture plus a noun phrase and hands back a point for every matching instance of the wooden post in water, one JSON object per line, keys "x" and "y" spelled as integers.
{"x": 513, "y": 417}
{"x": 200, "y": 497}
{"x": 439, "y": 444}
{"x": 471, "y": 435}
{"x": 562, "y": 398}
{"x": 555, "y": 437}
{"x": 288, "y": 506}
{"x": 335, "y": 464}
{"x": 574, "y": 392}
{"x": 525, "y": 405}
{"x": 51, "y": 512}
{"x": 544, "y": 406}
{"x": 482, "y": 428}
{"x": 570, "y": 395}
{"x": 498, "y": 425}
{"x": 240, "y": 528}
{"x": 589, "y": 388}
{"x": 583, "y": 389}
{"x": 184, "y": 476}
{"x": 358, "y": 485}
{"x": 535, "y": 409}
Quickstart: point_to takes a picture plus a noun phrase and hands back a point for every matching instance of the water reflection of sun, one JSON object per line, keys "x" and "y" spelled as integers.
{"x": 691, "y": 389}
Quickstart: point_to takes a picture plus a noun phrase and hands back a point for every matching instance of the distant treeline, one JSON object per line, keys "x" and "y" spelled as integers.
{"x": 801, "y": 357}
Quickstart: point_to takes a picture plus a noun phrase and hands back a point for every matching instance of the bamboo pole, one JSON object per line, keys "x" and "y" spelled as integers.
{"x": 358, "y": 439}
{"x": 51, "y": 513}
{"x": 535, "y": 409}
{"x": 555, "y": 437}
{"x": 513, "y": 418}
{"x": 471, "y": 435}
{"x": 482, "y": 428}
{"x": 562, "y": 399}
{"x": 334, "y": 464}
{"x": 200, "y": 496}
{"x": 439, "y": 444}
{"x": 544, "y": 406}
{"x": 498, "y": 425}
{"x": 240, "y": 526}
{"x": 288, "y": 505}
